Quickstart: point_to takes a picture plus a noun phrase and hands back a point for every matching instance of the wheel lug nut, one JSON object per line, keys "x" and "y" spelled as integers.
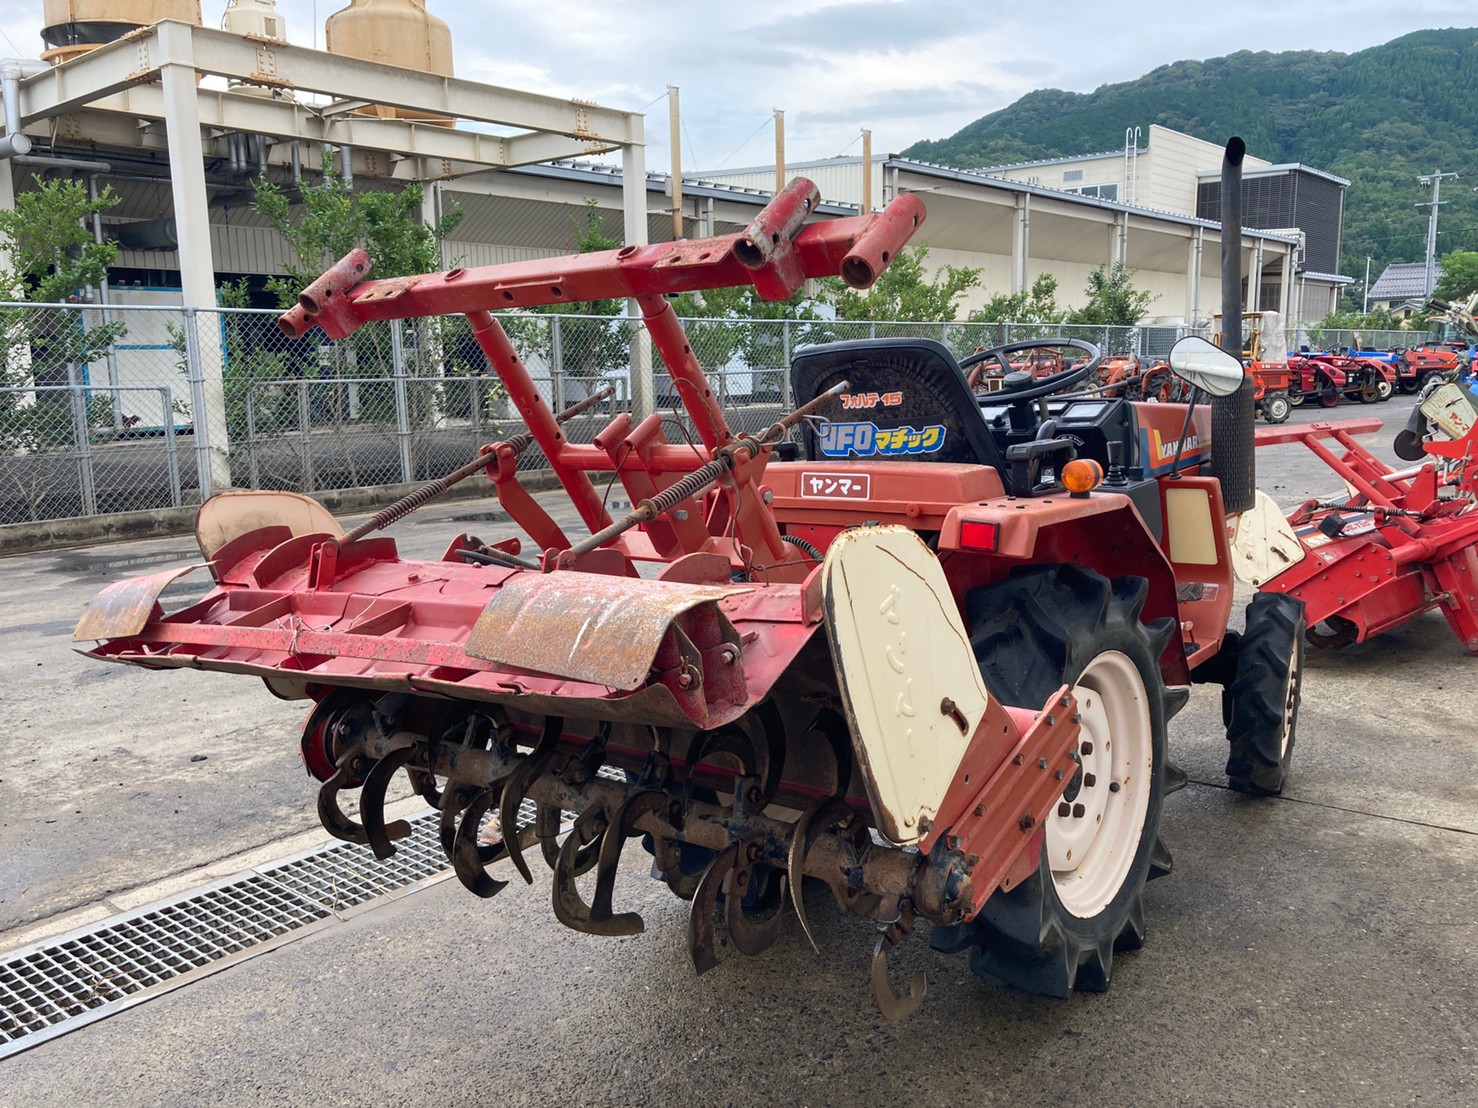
{"x": 1064, "y": 808}
{"x": 1089, "y": 780}
{"x": 1113, "y": 786}
{"x": 1079, "y": 811}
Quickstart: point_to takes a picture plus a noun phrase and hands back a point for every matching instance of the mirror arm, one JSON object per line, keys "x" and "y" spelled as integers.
{"x": 1185, "y": 429}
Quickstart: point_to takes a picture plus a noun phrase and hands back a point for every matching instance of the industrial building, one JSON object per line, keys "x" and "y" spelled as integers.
{"x": 1150, "y": 206}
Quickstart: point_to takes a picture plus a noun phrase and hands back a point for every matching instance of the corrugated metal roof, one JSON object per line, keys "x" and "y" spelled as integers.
{"x": 1402, "y": 280}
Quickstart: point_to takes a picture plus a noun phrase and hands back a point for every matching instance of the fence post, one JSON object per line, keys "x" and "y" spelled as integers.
{"x": 77, "y": 394}
{"x": 556, "y": 365}
{"x": 305, "y": 435}
{"x": 785, "y": 341}
{"x": 199, "y": 416}
{"x": 402, "y": 407}
{"x": 251, "y": 434}
{"x": 171, "y": 448}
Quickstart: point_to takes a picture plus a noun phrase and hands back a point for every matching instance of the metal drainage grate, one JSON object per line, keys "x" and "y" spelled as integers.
{"x": 61, "y": 984}
{"x": 53, "y": 987}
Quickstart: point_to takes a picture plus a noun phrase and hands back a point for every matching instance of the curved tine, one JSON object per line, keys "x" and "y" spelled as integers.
{"x": 726, "y": 740}
{"x": 372, "y": 803}
{"x": 424, "y": 782}
{"x": 750, "y": 935}
{"x": 334, "y": 821}
{"x": 453, "y": 799}
{"x": 700, "y": 915}
{"x": 826, "y": 811}
{"x": 467, "y": 858}
{"x": 832, "y": 729}
{"x": 593, "y": 826}
{"x": 893, "y": 1006}
{"x": 546, "y": 827}
{"x": 516, "y": 785}
{"x": 611, "y": 844}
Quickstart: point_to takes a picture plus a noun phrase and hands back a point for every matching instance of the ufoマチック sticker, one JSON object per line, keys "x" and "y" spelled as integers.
{"x": 866, "y": 440}
{"x": 836, "y": 486}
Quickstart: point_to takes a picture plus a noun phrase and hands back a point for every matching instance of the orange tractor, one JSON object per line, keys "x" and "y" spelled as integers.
{"x": 912, "y": 647}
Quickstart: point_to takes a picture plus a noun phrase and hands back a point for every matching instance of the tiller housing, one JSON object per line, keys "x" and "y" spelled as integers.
{"x": 907, "y": 663}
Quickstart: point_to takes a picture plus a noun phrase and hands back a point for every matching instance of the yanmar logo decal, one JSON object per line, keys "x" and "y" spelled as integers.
{"x": 836, "y": 486}
{"x": 1166, "y": 451}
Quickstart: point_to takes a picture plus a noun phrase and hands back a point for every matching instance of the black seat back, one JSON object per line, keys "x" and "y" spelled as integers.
{"x": 906, "y": 399}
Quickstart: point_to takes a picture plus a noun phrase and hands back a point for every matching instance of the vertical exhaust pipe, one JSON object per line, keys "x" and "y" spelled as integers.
{"x": 1232, "y": 417}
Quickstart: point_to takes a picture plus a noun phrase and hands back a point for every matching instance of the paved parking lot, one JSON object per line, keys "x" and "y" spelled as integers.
{"x": 1314, "y": 949}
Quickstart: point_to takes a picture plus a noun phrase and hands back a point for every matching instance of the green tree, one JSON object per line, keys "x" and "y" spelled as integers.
{"x": 331, "y": 219}
{"x": 1459, "y": 275}
{"x": 53, "y": 257}
{"x": 1113, "y": 301}
{"x": 321, "y": 223}
{"x": 1035, "y": 305}
{"x": 903, "y": 292}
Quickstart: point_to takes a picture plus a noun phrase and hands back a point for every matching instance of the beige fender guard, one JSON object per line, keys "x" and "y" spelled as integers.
{"x": 910, "y": 686}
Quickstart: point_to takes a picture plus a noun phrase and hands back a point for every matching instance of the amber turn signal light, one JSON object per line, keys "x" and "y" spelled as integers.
{"x": 1081, "y": 476}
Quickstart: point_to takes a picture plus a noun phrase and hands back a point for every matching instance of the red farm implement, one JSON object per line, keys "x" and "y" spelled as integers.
{"x": 1400, "y": 544}
{"x": 924, "y": 653}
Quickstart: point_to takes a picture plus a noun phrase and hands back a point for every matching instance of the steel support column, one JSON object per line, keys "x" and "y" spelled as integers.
{"x": 1197, "y": 250}
{"x": 634, "y": 209}
{"x": 1254, "y": 278}
{"x": 197, "y": 264}
{"x": 1021, "y": 241}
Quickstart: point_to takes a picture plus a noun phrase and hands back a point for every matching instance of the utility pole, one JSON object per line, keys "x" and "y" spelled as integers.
{"x": 1435, "y": 180}
{"x": 1365, "y": 308}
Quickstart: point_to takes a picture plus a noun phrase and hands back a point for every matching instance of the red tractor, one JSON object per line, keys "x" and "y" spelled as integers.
{"x": 924, "y": 654}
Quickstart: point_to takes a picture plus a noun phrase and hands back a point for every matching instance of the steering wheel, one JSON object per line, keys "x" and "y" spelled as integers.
{"x": 1020, "y": 386}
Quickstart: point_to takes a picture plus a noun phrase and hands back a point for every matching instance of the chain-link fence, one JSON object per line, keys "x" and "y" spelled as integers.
{"x": 98, "y": 405}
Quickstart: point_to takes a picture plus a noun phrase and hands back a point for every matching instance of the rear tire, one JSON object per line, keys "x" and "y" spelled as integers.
{"x": 1276, "y": 408}
{"x": 1058, "y": 930}
{"x": 1263, "y": 697}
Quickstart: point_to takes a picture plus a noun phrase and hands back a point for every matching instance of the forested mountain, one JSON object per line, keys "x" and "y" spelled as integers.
{"x": 1379, "y": 117}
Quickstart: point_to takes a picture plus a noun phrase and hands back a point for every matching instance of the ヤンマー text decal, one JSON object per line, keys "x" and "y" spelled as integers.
{"x": 836, "y": 486}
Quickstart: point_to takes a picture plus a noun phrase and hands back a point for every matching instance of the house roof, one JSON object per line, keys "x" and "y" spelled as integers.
{"x": 1402, "y": 281}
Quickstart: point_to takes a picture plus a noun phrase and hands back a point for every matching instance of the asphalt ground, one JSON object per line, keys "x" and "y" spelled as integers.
{"x": 1318, "y": 948}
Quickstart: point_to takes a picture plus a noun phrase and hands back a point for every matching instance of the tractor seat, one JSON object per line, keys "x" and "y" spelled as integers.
{"x": 906, "y": 399}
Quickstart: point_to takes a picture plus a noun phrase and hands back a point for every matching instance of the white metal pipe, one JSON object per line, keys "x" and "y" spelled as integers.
{"x": 15, "y": 143}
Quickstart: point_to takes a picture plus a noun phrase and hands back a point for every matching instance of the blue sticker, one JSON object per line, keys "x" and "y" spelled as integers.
{"x": 866, "y": 440}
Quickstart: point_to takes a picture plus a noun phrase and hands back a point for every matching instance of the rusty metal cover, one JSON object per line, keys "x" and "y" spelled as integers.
{"x": 123, "y": 608}
{"x": 585, "y": 626}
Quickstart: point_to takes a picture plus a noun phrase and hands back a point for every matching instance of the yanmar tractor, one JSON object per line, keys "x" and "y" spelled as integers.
{"x": 921, "y": 659}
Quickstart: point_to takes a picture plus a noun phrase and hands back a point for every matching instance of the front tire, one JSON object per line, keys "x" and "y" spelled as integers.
{"x": 1058, "y": 930}
{"x": 1263, "y": 698}
{"x": 1276, "y": 408}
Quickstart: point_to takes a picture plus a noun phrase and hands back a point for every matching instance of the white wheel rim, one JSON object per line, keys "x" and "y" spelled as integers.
{"x": 1290, "y": 701}
{"x": 1092, "y": 839}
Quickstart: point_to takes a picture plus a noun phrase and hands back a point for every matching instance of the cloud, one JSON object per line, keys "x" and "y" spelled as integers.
{"x": 907, "y": 69}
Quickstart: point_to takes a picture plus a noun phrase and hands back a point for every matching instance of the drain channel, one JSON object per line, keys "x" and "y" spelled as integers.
{"x": 66, "y": 982}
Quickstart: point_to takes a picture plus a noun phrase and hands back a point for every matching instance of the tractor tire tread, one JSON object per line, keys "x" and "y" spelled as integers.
{"x": 1031, "y": 633}
{"x": 1257, "y": 699}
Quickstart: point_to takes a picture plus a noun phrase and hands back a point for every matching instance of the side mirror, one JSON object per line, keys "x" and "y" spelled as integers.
{"x": 1207, "y": 366}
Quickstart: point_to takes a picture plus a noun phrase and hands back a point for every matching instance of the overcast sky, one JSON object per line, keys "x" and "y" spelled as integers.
{"x": 906, "y": 69}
